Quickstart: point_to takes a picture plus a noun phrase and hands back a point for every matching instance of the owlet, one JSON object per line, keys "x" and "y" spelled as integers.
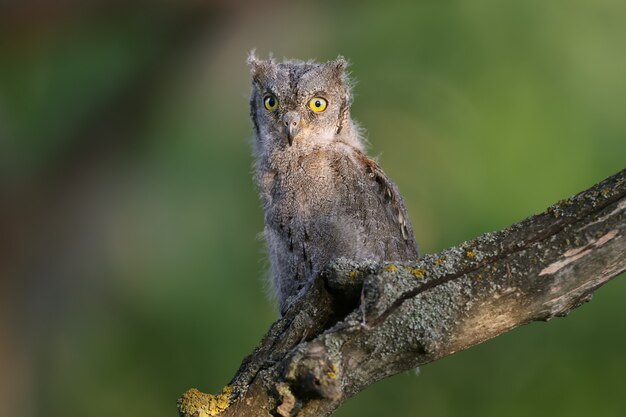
{"x": 323, "y": 197}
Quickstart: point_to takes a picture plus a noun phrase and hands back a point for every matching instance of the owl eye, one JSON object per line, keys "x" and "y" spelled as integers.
{"x": 318, "y": 104}
{"x": 270, "y": 102}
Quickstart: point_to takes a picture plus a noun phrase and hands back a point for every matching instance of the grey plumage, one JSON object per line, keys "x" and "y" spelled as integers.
{"x": 323, "y": 198}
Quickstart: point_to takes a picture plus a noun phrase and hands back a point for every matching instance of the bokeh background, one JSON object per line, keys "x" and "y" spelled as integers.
{"x": 130, "y": 263}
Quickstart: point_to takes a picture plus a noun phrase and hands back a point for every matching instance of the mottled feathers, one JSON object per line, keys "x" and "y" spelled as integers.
{"x": 323, "y": 198}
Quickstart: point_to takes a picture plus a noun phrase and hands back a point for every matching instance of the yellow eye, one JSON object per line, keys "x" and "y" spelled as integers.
{"x": 271, "y": 102}
{"x": 318, "y": 104}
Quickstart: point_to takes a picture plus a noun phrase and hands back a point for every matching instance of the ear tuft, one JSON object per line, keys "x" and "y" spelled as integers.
{"x": 253, "y": 61}
{"x": 259, "y": 68}
{"x": 340, "y": 63}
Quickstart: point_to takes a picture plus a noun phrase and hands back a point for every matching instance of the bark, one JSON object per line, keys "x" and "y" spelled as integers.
{"x": 361, "y": 322}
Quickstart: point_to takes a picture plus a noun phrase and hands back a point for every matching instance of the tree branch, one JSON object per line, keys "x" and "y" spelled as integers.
{"x": 361, "y": 322}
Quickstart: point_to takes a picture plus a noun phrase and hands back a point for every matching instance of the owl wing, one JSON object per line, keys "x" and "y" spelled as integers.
{"x": 375, "y": 223}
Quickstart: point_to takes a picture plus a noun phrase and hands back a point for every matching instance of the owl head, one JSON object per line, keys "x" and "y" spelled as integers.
{"x": 300, "y": 104}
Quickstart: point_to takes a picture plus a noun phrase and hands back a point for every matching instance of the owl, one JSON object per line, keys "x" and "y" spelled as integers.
{"x": 323, "y": 197}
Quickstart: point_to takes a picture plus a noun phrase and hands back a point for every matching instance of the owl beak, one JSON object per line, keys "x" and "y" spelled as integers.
{"x": 291, "y": 132}
{"x": 292, "y": 125}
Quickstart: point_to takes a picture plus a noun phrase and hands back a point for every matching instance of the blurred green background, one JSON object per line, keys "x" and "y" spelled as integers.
{"x": 130, "y": 263}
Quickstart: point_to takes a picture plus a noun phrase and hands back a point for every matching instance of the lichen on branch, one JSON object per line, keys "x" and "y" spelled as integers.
{"x": 361, "y": 321}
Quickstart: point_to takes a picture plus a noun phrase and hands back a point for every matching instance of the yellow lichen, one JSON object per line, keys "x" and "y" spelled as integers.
{"x": 391, "y": 268}
{"x": 564, "y": 202}
{"x": 418, "y": 272}
{"x": 332, "y": 373}
{"x": 440, "y": 261}
{"x": 202, "y": 404}
{"x": 287, "y": 400}
{"x": 470, "y": 254}
{"x": 353, "y": 274}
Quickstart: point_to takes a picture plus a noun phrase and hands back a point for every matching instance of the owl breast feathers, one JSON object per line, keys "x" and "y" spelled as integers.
{"x": 323, "y": 198}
